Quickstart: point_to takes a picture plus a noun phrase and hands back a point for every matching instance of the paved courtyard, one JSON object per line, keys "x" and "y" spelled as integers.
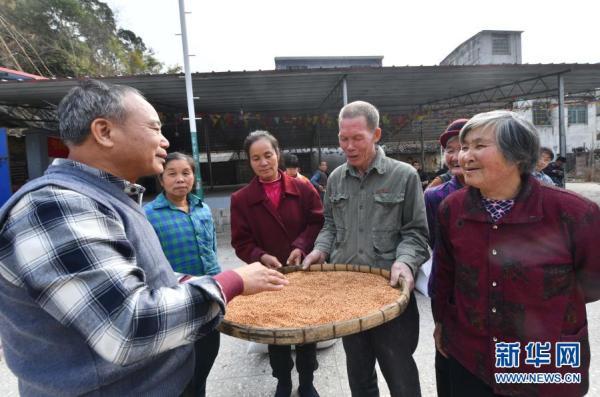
{"x": 238, "y": 373}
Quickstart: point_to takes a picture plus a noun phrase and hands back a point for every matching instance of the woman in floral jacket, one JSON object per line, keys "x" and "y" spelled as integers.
{"x": 516, "y": 263}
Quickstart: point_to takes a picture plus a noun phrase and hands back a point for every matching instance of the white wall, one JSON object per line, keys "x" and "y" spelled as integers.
{"x": 578, "y": 135}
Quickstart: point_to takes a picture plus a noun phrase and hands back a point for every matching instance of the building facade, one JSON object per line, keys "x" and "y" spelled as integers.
{"x": 488, "y": 47}
{"x": 299, "y": 63}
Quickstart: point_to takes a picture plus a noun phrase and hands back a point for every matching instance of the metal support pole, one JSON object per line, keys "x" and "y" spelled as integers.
{"x": 422, "y": 147}
{"x": 344, "y": 92}
{"x": 208, "y": 156}
{"x": 562, "y": 139}
{"x": 318, "y": 133}
{"x": 190, "y": 99}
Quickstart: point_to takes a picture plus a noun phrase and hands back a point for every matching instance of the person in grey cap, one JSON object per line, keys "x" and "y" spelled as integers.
{"x": 375, "y": 215}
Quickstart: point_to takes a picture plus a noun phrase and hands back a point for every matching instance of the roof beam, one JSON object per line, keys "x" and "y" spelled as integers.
{"x": 527, "y": 88}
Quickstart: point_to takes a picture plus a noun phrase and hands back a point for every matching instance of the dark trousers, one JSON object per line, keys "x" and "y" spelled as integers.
{"x": 442, "y": 375}
{"x": 392, "y": 344}
{"x": 205, "y": 353}
{"x": 280, "y": 358}
{"x": 464, "y": 384}
{"x": 205, "y": 350}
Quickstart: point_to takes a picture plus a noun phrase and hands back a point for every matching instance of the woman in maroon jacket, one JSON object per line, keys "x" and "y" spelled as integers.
{"x": 516, "y": 263}
{"x": 275, "y": 219}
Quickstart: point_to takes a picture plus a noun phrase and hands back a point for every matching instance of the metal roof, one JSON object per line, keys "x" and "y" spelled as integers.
{"x": 390, "y": 88}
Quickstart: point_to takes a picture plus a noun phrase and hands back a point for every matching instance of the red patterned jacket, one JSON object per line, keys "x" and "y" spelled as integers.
{"x": 525, "y": 279}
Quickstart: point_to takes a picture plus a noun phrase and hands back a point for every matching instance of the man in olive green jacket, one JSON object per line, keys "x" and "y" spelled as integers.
{"x": 375, "y": 215}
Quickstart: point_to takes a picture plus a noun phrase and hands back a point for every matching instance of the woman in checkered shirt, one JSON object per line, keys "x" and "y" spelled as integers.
{"x": 186, "y": 231}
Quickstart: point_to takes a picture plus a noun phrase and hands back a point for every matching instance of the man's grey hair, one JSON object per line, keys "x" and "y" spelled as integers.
{"x": 361, "y": 108}
{"x": 88, "y": 101}
{"x": 516, "y": 137}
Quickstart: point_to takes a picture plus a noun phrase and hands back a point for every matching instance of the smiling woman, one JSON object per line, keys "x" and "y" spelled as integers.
{"x": 515, "y": 261}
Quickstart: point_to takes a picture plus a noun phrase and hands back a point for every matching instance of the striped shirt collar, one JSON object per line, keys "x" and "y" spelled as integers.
{"x": 133, "y": 190}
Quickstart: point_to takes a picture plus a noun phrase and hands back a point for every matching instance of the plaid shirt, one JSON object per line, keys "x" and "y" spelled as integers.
{"x": 189, "y": 240}
{"x": 72, "y": 255}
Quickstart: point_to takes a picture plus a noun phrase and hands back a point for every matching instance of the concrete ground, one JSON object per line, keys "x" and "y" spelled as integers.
{"x": 238, "y": 373}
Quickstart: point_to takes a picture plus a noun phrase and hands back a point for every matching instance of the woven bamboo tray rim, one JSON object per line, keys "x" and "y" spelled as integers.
{"x": 327, "y": 331}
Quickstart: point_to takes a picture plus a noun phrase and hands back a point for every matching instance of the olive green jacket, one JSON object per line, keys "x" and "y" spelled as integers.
{"x": 375, "y": 219}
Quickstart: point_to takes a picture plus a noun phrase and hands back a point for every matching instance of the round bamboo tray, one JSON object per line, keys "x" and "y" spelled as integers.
{"x": 323, "y": 332}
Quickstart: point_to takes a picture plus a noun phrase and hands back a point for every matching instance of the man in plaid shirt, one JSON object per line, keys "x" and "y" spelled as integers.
{"x": 88, "y": 302}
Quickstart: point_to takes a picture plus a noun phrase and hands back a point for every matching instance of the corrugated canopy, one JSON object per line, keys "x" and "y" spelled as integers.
{"x": 390, "y": 88}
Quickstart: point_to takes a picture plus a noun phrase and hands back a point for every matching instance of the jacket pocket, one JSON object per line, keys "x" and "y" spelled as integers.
{"x": 339, "y": 209}
{"x": 387, "y": 211}
{"x": 340, "y": 237}
{"x": 385, "y": 243}
{"x": 580, "y": 336}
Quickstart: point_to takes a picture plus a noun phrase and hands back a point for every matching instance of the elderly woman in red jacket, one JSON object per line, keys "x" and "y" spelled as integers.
{"x": 275, "y": 219}
{"x": 517, "y": 261}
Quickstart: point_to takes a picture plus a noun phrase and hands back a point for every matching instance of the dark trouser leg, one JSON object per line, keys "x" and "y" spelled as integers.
{"x": 464, "y": 384}
{"x": 442, "y": 375}
{"x": 280, "y": 358}
{"x": 394, "y": 344}
{"x": 306, "y": 364}
{"x": 206, "y": 350}
{"x": 360, "y": 365}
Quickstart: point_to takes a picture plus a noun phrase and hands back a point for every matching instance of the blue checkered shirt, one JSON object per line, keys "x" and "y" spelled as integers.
{"x": 72, "y": 255}
{"x": 188, "y": 239}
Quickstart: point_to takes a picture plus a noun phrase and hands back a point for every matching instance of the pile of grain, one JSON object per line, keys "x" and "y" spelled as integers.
{"x": 314, "y": 298}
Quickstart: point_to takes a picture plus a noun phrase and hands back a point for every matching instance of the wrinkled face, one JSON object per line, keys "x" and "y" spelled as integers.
{"x": 543, "y": 161}
{"x": 139, "y": 146}
{"x": 357, "y": 142}
{"x": 177, "y": 179}
{"x": 264, "y": 160}
{"x": 323, "y": 166}
{"x": 451, "y": 156}
{"x": 483, "y": 164}
{"x": 292, "y": 171}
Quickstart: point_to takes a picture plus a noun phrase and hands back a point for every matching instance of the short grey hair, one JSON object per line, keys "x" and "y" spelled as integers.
{"x": 88, "y": 101}
{"x": 361, "y": 108}
{"x": 516, "y": 137}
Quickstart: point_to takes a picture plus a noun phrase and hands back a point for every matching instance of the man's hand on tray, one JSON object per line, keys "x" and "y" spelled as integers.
{"x": 398, "y": 270}
{"x": 258, "y": 278}
{"x": 315, "y": 257}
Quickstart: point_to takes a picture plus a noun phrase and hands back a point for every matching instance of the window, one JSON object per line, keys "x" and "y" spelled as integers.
{"x": 541, "y": 113}
{"x": 577, "y": 114}
{"x": 500, "y": 44}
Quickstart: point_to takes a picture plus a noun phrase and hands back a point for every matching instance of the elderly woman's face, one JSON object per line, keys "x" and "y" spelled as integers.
{"x": 483, "y": 164}
{"x": 451, "y": 152}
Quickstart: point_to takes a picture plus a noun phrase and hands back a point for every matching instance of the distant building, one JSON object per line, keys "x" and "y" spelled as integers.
{"x": 488, "y": 47}
{"x": 582, "y": 113}
{"x": 582, "y": 118}
{"x": 299, "y": 63}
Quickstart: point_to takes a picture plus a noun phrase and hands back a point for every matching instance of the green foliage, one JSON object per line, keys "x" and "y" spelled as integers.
{"x": 69, "y": 38}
